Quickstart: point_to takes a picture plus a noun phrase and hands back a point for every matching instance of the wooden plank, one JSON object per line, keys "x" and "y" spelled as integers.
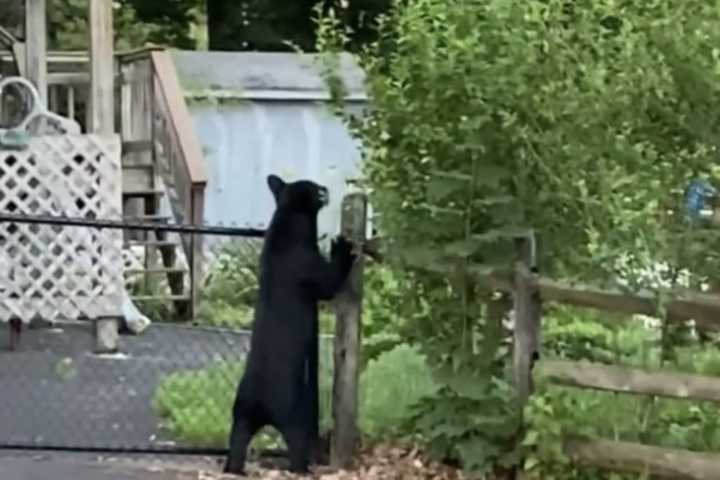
{"x": 196, "y": 249}
{"x": 53, "y": 98}
{"x": 704, "y": 308}
{"x": 36, "y": 45}
{"x": 526, "y": 336}
{"x": 136, "y": 131}
{"x": 68, "y": 78}
{"x": 71, "y": 102}
{"x": 584, "y": 296}
{"x": 179, "y": 115}
{"x": 348, "y": 310}
{"x": 134, "y": 179}
{"x": 102, "y": 67}
{"x": 7, "y": 38}
{"x": 132, "y": 55}
{"x": 18, "y": 51}
{"x": 138, "y": 71}
{"x": 630, "y": 380}
{"x": 642, "y": 459}
{"x": 137, "y": 146}
{"x": 75, "y": 57}
{"x": 150, "y": 298}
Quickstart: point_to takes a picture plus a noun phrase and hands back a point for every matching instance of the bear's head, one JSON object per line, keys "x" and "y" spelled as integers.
{"x": 303, "y": 196}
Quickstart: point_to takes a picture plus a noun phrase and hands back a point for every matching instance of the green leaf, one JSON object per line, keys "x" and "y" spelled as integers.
{"x": 530, "y": 463}
{"x": 531, "y": 438}
{"x": 491, "y": 175}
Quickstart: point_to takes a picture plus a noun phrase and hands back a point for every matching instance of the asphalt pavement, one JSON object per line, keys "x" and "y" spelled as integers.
{"x": 54, "y": 392}
{"x": 47, "y": 466}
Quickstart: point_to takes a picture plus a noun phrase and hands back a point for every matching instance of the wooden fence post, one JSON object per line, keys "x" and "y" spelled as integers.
{"x": 102, "y": 67}
{"x": 36, "y": 46}
{"x": 528, "y": 311}
{"x": 102, "y": 117}
{"x": 348, "y": 311}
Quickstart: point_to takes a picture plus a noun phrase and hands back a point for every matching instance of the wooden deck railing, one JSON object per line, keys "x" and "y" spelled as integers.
{"x": 68, "y": 80}
{"x": 156, "y": 120}
{"x": 180, "y": 159}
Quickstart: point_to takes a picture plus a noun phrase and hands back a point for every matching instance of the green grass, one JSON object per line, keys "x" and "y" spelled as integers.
{"x": 196, "y": 405}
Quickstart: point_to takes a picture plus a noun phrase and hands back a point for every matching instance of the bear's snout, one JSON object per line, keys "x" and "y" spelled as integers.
{"x": 324, "y": 195}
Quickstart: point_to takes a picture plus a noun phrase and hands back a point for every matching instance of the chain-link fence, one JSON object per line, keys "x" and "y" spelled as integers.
{"x": 170, "y": 384}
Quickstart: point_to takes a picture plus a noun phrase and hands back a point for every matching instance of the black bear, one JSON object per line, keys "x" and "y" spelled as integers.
{"x": 280, "y": 384}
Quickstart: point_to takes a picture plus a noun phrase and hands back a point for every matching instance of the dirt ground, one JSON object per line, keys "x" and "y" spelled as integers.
{"x": 381, "y": 463}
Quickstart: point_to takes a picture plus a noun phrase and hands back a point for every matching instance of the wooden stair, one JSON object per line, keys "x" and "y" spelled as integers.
{"x": 162, "y": 278}
{"x": 159, "y": 141}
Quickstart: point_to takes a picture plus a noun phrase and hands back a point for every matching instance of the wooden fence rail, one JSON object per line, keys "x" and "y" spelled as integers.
{"x": 643, "y": 459}
{"x": 637, "y": 381}
{"x": 703, "y": 308}
{"x": 530, "y": 290}
{"x": 604, "y": 454}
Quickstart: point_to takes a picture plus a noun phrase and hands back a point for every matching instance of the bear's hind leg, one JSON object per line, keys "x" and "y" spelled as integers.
{"x": 298, "y": 441}
{"x": 242, "y": 432}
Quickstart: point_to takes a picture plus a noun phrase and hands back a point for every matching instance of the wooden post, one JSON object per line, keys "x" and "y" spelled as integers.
{"x": 196, "y": 250}
{"x": 101, "y": 116}
{"x": 102, "y": 67}
{"x": 528, "y": 309}
{"x": 36, "y": 46}
{"x": 348, "y": 311}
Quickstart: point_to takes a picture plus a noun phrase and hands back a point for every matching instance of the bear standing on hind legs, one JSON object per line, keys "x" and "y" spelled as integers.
{"x": 279, "y": 386}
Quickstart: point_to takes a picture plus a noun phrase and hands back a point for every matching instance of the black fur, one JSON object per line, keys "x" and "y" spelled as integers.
{"x": 280, "y": 383}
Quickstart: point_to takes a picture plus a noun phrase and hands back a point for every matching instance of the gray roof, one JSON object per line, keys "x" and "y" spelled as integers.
{"x": 261, "y": 75}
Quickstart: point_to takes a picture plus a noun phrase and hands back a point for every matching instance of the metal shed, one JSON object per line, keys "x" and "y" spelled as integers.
{"x": 261, "y": 113}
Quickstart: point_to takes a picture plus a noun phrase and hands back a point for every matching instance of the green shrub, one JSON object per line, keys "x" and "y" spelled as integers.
{"x": 582, "y": 334}
{"x": 582, "y": 120}
{"x": 228, "y": 298}
{"x": 235, "y": 273}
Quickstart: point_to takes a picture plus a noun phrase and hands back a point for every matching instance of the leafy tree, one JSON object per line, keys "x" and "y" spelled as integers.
{"x": 12, "y": 16}
{"x": 269, "y": 25}
{"x": 136, "y": 22}
{"x": 584, "y": 121}
{"x": 171, "y": 20}
{"x": 68, "y": 26}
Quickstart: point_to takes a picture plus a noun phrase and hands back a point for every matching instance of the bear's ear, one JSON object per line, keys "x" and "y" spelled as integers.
{"x": 276, "y": 185}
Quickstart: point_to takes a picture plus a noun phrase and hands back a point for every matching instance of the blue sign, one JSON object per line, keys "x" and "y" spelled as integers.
{"x": 697, "y": 196}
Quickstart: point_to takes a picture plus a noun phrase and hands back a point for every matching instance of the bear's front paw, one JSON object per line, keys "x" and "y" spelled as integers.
{"x": 342, "y": 248}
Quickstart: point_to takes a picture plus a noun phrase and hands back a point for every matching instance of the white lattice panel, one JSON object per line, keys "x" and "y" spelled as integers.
{"x": 55, "y": 272}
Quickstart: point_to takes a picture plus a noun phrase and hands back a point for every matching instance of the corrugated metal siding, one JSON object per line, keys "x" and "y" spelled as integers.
{"x": 245, "y": 140}
{"x": 244, "y": 143}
